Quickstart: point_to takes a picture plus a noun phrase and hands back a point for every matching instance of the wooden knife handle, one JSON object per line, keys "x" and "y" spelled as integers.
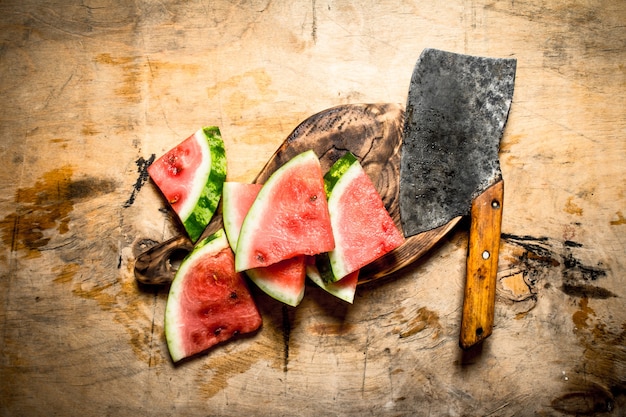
{"x": 482, "y": 266}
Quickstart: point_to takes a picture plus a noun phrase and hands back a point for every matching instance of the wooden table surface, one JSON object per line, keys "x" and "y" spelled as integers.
{"x": 92, "y": 90}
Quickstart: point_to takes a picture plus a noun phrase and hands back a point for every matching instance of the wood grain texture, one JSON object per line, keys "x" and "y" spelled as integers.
{"x": 482, "y": 266}
{"x": 93, "y": 89}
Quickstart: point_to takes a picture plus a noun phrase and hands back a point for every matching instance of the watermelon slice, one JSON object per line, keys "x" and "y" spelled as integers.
{"x": 190, "y": 176}
{"x": 343, "y": 289}
{"x": 362, "y": 227}
{"x": 237, "y": 197}
{"x": 284, "y": 280}
{"x": 288, "y": 218}
{"x": 208, "y": 301}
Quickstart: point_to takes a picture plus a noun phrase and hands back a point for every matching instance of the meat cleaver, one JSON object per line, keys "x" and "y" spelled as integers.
{"x": 455, "y": 114}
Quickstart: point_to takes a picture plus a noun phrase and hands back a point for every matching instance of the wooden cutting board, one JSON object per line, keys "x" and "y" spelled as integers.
{"x": 373, "y": 133}
{"x": 93, "y": 90}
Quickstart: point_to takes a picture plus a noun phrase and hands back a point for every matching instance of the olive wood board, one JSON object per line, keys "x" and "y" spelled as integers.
{"x": 373, "y": 133}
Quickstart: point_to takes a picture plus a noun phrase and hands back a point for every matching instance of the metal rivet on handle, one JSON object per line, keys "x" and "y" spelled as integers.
{"x": 486, "y": 255}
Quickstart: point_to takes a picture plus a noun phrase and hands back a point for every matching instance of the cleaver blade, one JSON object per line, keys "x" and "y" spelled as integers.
{"x": 456, "y": 111}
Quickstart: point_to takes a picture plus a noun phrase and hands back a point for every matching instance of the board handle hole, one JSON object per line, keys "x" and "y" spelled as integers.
{"x": 176, "y": 258}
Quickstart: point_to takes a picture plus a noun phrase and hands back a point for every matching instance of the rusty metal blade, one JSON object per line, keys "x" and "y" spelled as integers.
{"x": 455, "y": 114}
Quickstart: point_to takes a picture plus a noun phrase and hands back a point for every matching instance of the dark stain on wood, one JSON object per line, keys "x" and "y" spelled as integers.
{"x": 222, "y": 364}
{"x": 44, "y": 208}
{"x": 541, "y": 255}
{"x": 130, "y": 308}
{"x": 43, "y": 211}
{"x": 536, "y": 249}
{"x": 142, "y": 178}
{"x": 65, "y": 273}
{"x": 620, "y": 219}
{"x": 286, "y": 335}
{"x": 586, "y": 291}
{"x": 422, "y": 320}
{"x": 590, "y": 400}
{"x": 596, "y": 385}
{"x": 331, "y": 329}
{"x": 133, "y": 69}
{"x": 576, "y": 276}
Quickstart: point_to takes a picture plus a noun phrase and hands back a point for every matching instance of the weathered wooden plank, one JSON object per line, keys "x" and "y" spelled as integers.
{"x": 91, "y": 90}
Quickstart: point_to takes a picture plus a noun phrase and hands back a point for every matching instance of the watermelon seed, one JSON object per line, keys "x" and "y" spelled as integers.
{"x": 217, "y": 331}
{"x": 233, "y": 295}
{"x": 174, "y": 168}
{"x": 313, "y": 197}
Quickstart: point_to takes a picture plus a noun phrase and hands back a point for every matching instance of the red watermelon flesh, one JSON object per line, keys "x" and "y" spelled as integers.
{"x": 208, "y": 302}
{"x": 288, "y": 218}
{"x": 190, "y": 177}
{"x": 284, "y": 280}
{"x": 237, "y": 198}
{"x": 364, "y": 230}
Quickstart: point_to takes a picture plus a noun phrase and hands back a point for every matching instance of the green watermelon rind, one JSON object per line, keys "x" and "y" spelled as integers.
{"x": 212, "y": 244}
{"x": 336, "y": 171}
{"x": 205, "y": 195}
{"x": 339, "y": 177}
{"x": 333, "y": 288}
